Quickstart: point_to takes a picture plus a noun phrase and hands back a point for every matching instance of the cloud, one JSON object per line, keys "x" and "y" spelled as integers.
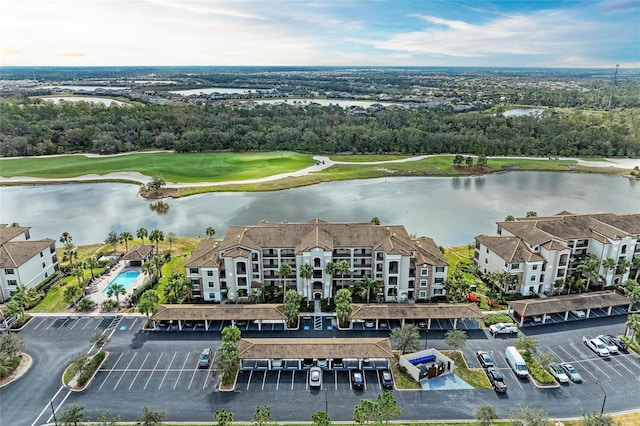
{"x": 73, "y": 54}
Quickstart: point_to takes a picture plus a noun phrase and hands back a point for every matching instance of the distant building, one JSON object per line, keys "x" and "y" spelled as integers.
{"x": 24, "y": 261}
{"x": 538, "y": 251}
{"x": 250, "y": 256}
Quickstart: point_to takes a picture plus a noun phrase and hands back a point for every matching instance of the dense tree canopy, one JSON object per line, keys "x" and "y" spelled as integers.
{"x": 31, "y": 127}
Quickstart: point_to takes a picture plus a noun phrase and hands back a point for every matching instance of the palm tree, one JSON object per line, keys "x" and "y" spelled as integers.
{"x": 126, "y": 237}
{"x": 306, "y": 273}
{"x": 92, "y": 263}
{"x": 635, "y": 262}
{"x": 343, "y": 267}
{"x": 142, "y": 233}
{"x": 149, "y": 268}
{"x": 148, "y": 302}
{"x": 633, "y": 325}
{"x": 67, "y": 240}
{"x": 157, "y": 261}
{"x": 608, "y": 264}
{"x": 210, "y": 232}
{"x": 78, "y": 271}
{"x": 177, "y": 289}
{"x": 284, "y": 272}
{"x": 113, "y": 239}
{"x": 116, "y": 289}
{"x": 156, "y": 236}
{"x": 588, "y": 267}
{"x": 367, "y": 284}
{"x": 330, "y": 269}
{"x": 171, "y": 238}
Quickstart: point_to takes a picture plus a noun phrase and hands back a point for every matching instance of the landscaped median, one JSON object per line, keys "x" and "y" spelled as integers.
{"x": 78, "y": 375}
{"x": 540, "y": 377}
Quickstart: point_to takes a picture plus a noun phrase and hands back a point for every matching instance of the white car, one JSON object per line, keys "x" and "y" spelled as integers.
{"x": 315, "y": 377}
{"x": 612, "y": 347}
{"x": 578, "y": 314}
{"x": 558, "y": 372}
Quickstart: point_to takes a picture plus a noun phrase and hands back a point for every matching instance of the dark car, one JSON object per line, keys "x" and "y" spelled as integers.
{"x": 485, "y": 359}
{"x": 387, "y": 379}
{"x": 205, "y": 358}
{"x": 497, "y": 380}
{"x": 357, "y": 379}
{"x": 618, "y": 342}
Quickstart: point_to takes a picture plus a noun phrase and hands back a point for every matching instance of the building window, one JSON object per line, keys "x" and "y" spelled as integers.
{"x": 209, "y": 273}
{"x": 438, "y": 280}
{"x": 542, "y": 278}
{"x": 487, "y": 251}
{"x": 515, "y": 265}
{"x": 9, "y": 271}
{"x": 212, "y": 295}
{"x": 533, "y": 278}
{"x": 12, "y": 282}
{"x": 193, "y": 270}
{"x": 44, "y": 265}
{"x": 437, "y": 292}
{"x": 41, "y": 254}
{"x": 423, "y": 283}
{"x": 211, "y": 284}
{"x": 534, "y": 267}
{"x": 46, "y": 274}
{"x": 439, "y": 268}
{"x": 424, "y": 272}
{"x": 422, "y": 294}
{"x": 486, "y": 260}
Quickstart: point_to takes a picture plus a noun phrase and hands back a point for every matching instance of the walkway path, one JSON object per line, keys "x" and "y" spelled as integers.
{"x": 322, "y": 163}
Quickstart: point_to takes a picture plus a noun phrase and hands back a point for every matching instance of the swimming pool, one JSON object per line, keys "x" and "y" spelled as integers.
{"x": 125, "y": 278}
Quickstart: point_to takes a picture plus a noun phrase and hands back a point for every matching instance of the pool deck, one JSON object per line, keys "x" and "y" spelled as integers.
{"x": 98, "y": 286}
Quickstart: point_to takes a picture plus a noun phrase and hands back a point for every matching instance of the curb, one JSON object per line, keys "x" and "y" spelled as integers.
{"x": 18, "y": 373}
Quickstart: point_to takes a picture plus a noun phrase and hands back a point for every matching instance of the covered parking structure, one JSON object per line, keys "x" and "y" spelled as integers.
{"x": 418, "y": 313}
{"x": 208, "y": 314}
{"x": 524, "y": 310}
{"x": 327, "y": 353}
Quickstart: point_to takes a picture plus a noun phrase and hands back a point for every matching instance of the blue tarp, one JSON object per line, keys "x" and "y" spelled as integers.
{"x": 423, "y": 360}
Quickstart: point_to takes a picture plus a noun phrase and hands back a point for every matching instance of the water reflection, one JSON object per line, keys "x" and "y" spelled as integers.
{"x": 450, "y": 210}
{"x": 159, "y": 207}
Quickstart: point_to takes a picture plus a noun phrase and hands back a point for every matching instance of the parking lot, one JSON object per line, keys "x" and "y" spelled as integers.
{"x": 298, "y": 380}
{"x": 153, "y": 371}
{"x": 559, "y": 318}
{"x": 436, "y": 324}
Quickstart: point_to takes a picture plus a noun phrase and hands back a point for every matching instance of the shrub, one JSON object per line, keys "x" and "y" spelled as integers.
{"x": 10, "y": 366}
{"x": 491, "y": 319}
{"x": 109, "y": 305}
{"x": 21, "y": 321}
{"x": 89, "y": 368}
{"x": 327, "y": 306}
{"x": 86, "y": 304}
{"x": 536, "y": 370}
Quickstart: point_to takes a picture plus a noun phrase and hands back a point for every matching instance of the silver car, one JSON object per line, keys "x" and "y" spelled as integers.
{"x": 571, "y": 372}
{"x": 558, "y": 372}
{"x": 315, "y": 377}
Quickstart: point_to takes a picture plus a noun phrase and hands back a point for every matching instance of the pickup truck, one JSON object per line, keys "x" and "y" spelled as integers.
{"x": 503, "y": 328}
{"x": 596, "y": 346}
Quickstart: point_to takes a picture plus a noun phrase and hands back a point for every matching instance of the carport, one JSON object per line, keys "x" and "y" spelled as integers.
{"x": 259, "y": 314}
{"x": 418, "y": 312}
{"x": 332, "y": 353}
{"x": 562, "y": 305}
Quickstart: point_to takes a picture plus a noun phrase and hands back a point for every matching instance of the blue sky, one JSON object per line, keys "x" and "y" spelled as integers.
{"x": 508, "y": 33}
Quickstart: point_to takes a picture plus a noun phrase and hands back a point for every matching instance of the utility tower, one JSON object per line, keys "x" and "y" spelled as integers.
{"x": 613, "y": 86}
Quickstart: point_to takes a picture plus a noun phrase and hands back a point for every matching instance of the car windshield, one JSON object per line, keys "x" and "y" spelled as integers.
{"x": 496, "y": 375}
{"x": 570, "y": 369}
{"x": 386, "y": 376}
{"x": 315, "y": 376}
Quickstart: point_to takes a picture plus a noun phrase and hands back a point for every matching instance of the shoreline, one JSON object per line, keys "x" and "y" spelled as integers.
{"x": 172, "y": 189}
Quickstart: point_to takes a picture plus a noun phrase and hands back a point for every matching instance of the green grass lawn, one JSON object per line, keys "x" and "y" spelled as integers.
{"x": 474, "y": 376}
{"x": 173, "y": 167}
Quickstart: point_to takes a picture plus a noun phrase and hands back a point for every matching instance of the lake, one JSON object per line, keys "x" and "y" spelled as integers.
{"x": 450, "y": 210}
{"x": 221, "y": 90}
{"x": 90, "y": 99}
{"x": 344, "y": 103}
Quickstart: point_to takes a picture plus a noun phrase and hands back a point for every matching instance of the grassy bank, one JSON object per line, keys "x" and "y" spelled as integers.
{"x": 173, "y": 167}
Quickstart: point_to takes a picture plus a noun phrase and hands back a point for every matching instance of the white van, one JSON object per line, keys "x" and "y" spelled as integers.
{"x": 515, "y": 361}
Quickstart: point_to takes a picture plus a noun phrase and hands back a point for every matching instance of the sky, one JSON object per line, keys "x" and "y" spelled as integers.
{"x": 476, "y": 33}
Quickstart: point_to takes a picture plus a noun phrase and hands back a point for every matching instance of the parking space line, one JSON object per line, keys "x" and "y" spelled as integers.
{"x": 87, "y": 324}
{"x": 249, "y": 381}
{"x": 623, "y": 366}
{"x": 40, "y": 323}
{"x": 180, "y": 373}
{"x": 167, "y": 370}
{"x": 98, "y": 325}
{"x": 278, "y": 380}
{"x": 335, "y": 378}
{"x": 74, "y": 323}
{"x": 213, "y": 362}
{"x": 195, "y": 370}
{"x": 293, "y": 374}
{"x": 50, "y": 325}
{"x": 125, "y": 370}
{"x": 153, "y": 371}
{"x": 110, "y": 371}
{"x": 65, "y": 321}
{"x": 139, "y": 369}
{"x": 264, "y": 379}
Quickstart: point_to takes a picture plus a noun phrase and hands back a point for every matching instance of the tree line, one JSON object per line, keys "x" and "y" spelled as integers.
{"x": 32, "y": 127}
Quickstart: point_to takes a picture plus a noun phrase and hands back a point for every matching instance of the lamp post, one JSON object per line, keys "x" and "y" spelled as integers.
{"x": 604, "y": 400}
{"x": 426, "y": 338}
{"x": 54, "y": 412}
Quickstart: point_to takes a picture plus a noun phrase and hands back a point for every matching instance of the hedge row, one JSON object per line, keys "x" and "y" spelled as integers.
{"x": 90, "y": 368}
{"x": 536, "y": 370}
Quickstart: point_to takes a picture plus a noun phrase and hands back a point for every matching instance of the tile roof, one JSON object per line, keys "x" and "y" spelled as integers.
{"x": 7, "y": 233}
{"x": 283, "y": 348}
{"x": 139, "y": 252}
{"x": 558, "y": 304}
{"x": 16, "y": 253}
{"x": 511, "y": 249}
{"x": 189, "y": 312}
{"x": 415, "y": 311}
{"x": 206, "y": 254}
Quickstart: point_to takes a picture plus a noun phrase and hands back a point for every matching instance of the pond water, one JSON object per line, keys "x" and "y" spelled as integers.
{"x": 450, "y": 210}
{"x": 221, "y": 90}
{"x": 517, "y": 112}
{"x": 87, "y": 88}
{"x": 344, "y": 103}
{"x": 91, "y": 99}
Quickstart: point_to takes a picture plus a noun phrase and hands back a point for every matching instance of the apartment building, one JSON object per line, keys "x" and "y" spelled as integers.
{"x": 24, "y": 261}
{"x": 250, "y": 256}
{"x": 538, "y": 251}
